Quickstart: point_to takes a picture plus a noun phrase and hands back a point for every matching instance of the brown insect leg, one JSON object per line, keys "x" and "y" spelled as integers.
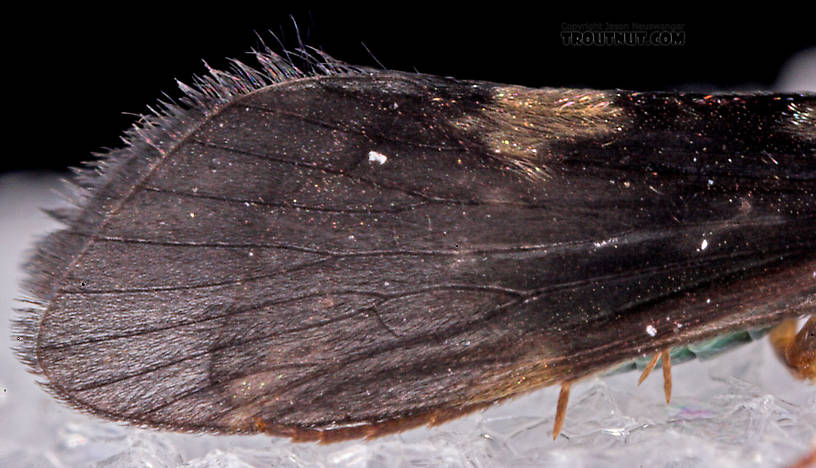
{"x": 808, "y": 460}
{"x": 665, "y": 360}
{"x": 561, "y": 409}
{"x": 649, "y": 368}
{"x": 797, "y": 350}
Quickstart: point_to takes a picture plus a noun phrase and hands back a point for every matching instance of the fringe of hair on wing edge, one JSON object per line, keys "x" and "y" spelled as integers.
{"x": 106, "y": 179}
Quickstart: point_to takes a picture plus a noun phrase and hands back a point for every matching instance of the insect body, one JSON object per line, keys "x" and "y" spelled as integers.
{"x": 352, "y": 252}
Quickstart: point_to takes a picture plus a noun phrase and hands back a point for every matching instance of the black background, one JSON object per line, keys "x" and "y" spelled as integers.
{"x": 79, "y": 76}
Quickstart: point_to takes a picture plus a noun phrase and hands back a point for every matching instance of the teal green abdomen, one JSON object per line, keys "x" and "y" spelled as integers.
{"x": 700, "y": 350}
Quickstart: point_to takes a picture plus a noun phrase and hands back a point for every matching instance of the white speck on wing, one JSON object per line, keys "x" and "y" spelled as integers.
{"x": 374, "y": 156}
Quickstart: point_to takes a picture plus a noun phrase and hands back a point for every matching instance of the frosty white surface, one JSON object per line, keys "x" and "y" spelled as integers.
{"x": 741, "y": 409}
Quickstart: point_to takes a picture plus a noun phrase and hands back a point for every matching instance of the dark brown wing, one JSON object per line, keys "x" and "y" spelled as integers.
{"x": 353, "y": 254}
